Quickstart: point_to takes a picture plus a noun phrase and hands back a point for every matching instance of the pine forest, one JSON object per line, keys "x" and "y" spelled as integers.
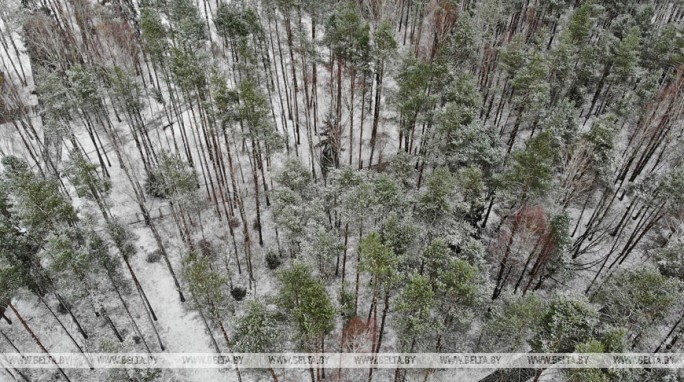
{"x": 332, "y": 176}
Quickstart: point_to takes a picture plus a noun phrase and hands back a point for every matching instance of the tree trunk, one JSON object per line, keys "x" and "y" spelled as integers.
{"x": 37, "y": 340}
{"x": 376, "y": 109}
{"x": 385, "y": 309}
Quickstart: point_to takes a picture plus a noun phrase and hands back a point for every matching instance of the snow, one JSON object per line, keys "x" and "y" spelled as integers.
{"x": 180, "y": 326}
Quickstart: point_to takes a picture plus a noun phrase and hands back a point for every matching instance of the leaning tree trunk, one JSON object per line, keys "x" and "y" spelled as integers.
{"x": 37, "y": 340}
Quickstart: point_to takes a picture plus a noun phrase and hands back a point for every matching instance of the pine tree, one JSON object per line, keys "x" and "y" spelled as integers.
{"x": 566, "y": 322}
{"x": 309, "y": 307}
{"x": 40, "y": 206}
{"x": 412, "y": 98}
{"x": 435, "y": 206}
{"x": 435, "y": 258}
{"x": 532, "y": 169}
{"x": 256, "y": 332}
{"x": 88, "y": 183}
{"x": 612, "y": 342}
{"x": 530, "y": 94}
{"x": 289, "y": 216}
{"x": 323, "y": 250}
{"x": 460, "y": 292}
{"x": 189, "y": 28}
{"x": 347, "y": 35}
{"x": 416, "y": 303}
{"x": 379, "y": 260}
{"x": 294, "y": 176}
{"x": 636, "y": 299}
{"x": 207, "y": 288}
{"x": 383, "y": 48}
{"x": 512, "y": 323}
